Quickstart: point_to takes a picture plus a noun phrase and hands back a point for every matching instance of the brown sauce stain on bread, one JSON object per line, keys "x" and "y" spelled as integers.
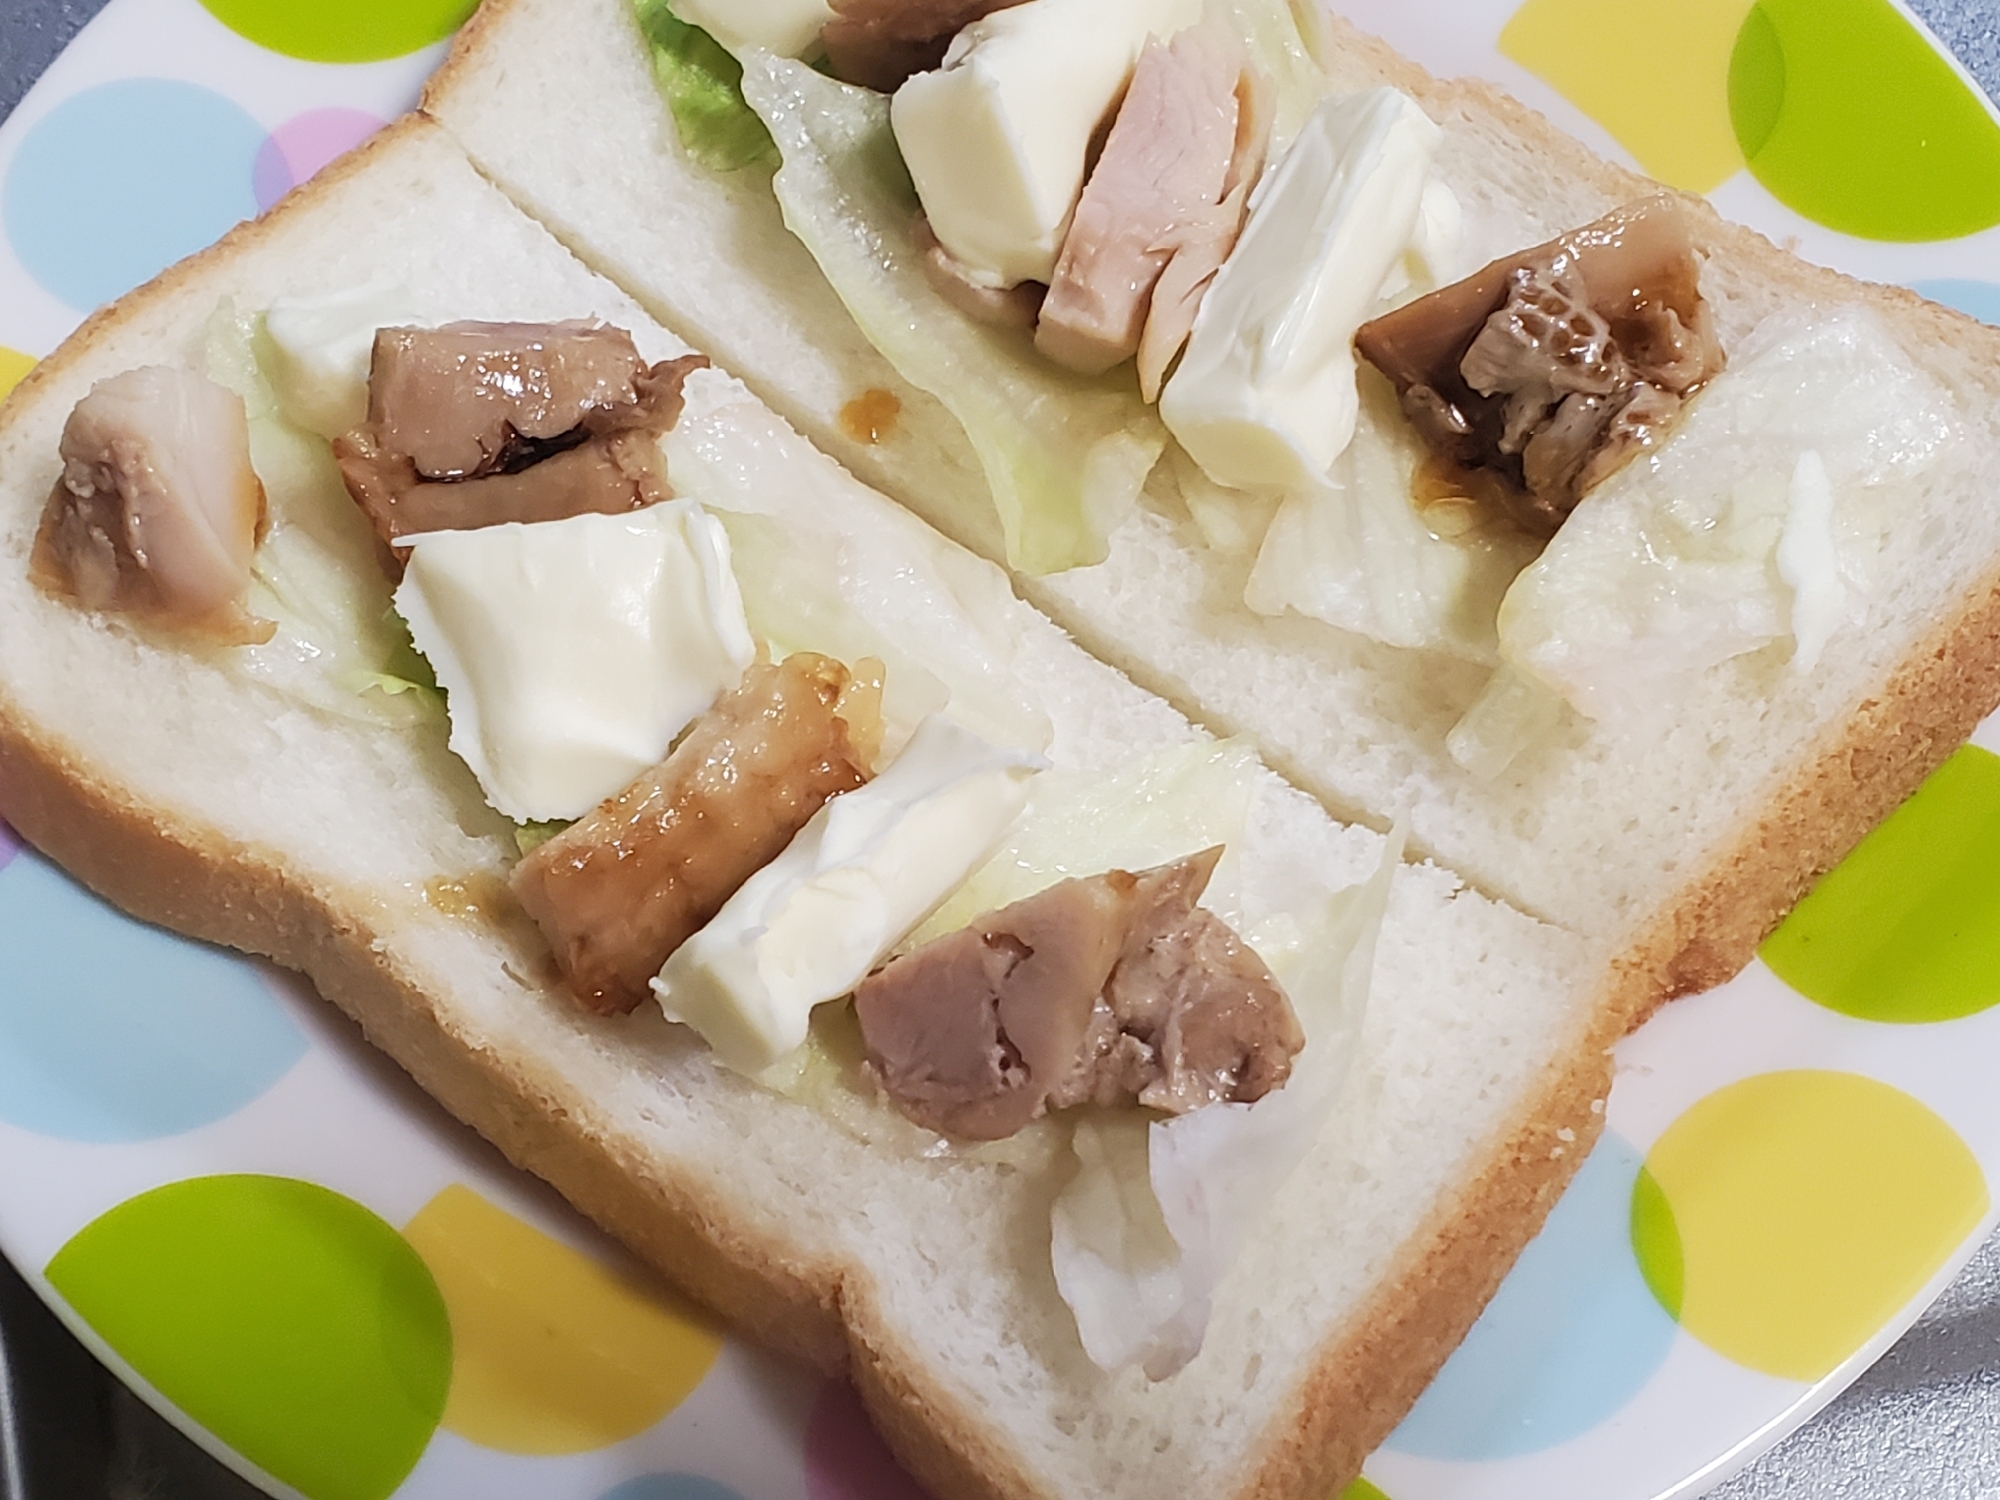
{"x": 480, "y": 896}
{"x": 871, "y": 416}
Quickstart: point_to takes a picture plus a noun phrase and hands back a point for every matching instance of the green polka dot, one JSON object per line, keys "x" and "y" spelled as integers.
{"x": 1849, "y": 116}
{"x": 1808, "y": 1207}
{"x": 1756, "y": 82}
{"x": 1907, "y": 927}
{"x": 342, "y": 31}
{"x": 1661, "y": 90}
{"x": 289, "y": 1321}
{"x": 1656, "y": 1242}
{"x": 1361, "y": 1489}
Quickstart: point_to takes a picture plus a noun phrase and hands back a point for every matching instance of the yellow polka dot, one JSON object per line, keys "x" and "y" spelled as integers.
{"x": 1810, "y": 1207}
{"x": 1657, "y": 79}
{"x": 552, "y": 1353}
{"x": 14, "y": 367}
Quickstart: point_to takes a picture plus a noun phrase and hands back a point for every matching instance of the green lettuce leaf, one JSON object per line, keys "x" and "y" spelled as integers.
{"x": 405, "y": 670}
{"x": 1064, "y": 457}
{"x": 339, "y": 646}
{"x": 528, "y": 837}
{"x": 702, "y": 86}
{"x": 877, "y": 590}
{"x": 1154, "y": 808}
{"x": 1158, "y": 1210}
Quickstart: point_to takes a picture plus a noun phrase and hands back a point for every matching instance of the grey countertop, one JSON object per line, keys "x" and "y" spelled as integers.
{"x": 1922, "y": 1424}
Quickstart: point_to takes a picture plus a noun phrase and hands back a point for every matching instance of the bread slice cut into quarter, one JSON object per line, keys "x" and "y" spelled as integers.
{"x": 1675, "y": 837}
{"x": 247, "y": 799}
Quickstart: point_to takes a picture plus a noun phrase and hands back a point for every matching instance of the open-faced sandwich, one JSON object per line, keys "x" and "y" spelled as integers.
{"x": 1235, "y": 1120}
{"x": 1612, "y": 553}
{"x": 739, "y": 853}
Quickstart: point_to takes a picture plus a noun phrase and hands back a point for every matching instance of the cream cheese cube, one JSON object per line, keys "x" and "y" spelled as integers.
{"x": 870, "y": 865}
{"x": 572, "y": 653}
{"x": 1264, "y": 397}
{"x": 789, "y": 28}
{"x": 996, "y": 140}
{"x": 322, "y": 348}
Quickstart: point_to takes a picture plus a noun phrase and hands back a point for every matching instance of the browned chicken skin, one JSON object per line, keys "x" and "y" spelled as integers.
{"x": 158, "y": 512}
{"x": 1550, "y": 369}
{"x": 628, "y": 883}
{"x": 478, "y": 424}
{"x": 1108, "y": 989}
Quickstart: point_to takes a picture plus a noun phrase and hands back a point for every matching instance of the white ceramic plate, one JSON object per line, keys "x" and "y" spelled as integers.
{"x": 330, "y": 1285}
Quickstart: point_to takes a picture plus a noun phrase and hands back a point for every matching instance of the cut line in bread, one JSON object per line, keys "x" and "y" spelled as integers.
{"x": 1678, "y": 843}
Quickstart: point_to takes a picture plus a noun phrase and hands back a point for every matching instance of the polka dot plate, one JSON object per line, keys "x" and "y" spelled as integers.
{"x": 276, "y": 1240}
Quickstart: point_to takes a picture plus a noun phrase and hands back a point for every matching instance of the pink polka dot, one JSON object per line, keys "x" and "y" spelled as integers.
{"x": 302, "y": 145}
{"x": 845, "y": 1459}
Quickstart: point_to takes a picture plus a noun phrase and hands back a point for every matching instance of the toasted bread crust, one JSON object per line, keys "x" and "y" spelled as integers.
{"x": 1881, "y": 750}
{"x": 1875, "y": 758}
{"x": 103, "y": 324}
{"x": 1876, "y": 754}
{"x": 1367, "y": 1382}
{"x": 1368, "y": 1375}
{"x": 164, "y": 870}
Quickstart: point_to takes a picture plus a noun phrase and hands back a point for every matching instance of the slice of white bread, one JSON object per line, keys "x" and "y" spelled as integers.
{"x": 225, "y": 806}
{"x": 1678, "y": 841}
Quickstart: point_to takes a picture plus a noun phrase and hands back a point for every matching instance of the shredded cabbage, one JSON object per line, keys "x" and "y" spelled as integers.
{"x": 702, "y": 84}
{"x": 1153, "y": 809}
{"x": 1285, "y": 40}
{"x": 1673, "y": 564}
{"x": 809, "y": 584}
{"x": 339, "y": 646}
{"x": 1512, "y": 714}
{"x": 1233, "y": 523}
{"x": 1156, "y": 1214}
{"x": 1064, "y": 456}
{"x": 407, "y": 670}
{"x": 793, "y": 609}
{"x": 1357, "y": 553}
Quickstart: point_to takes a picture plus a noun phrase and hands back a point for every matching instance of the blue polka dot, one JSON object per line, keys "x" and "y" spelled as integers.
{"x": 114, "y": 1031}
{"x": 671, "y": 1487}
{"x": 119, "y": 182}
{"x": 1572, "y": 1336}
{"x": 1979, "y": 298}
